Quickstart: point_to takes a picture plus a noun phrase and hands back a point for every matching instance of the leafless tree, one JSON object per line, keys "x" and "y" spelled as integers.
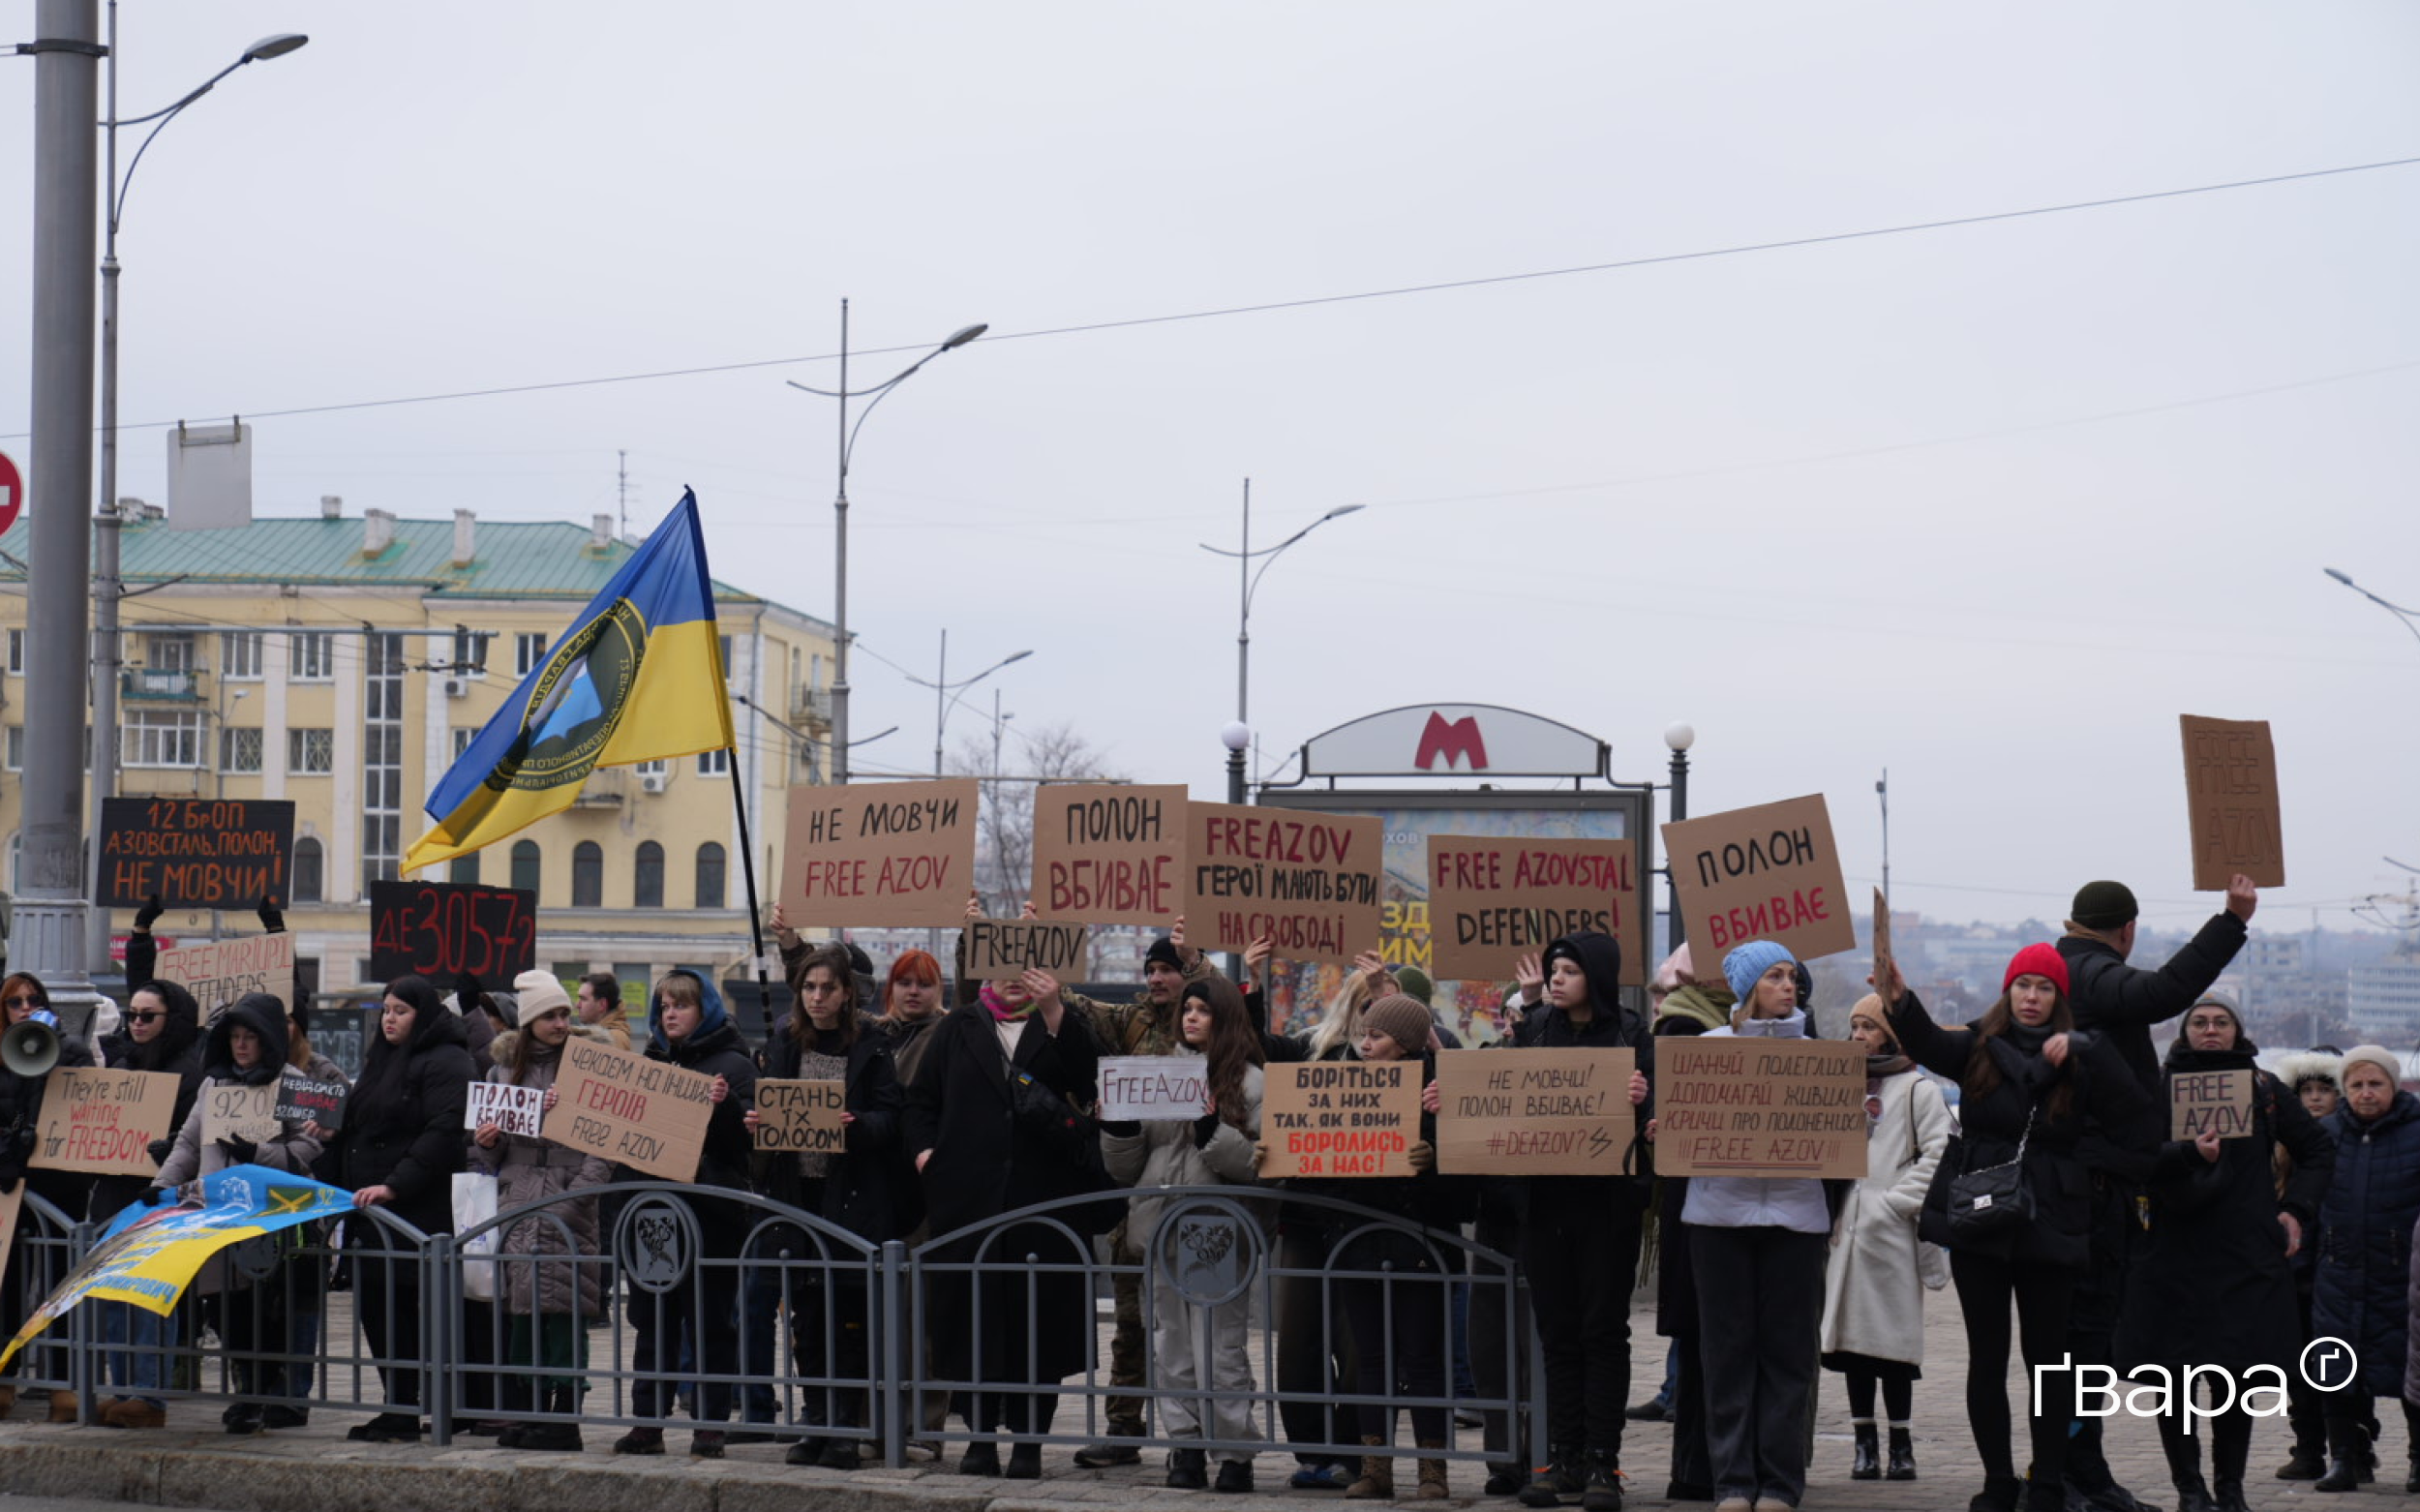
{"x": 1004, "y": 861}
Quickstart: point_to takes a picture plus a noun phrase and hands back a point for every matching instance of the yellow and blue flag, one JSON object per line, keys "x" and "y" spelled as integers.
{"x": 638, "y": 677}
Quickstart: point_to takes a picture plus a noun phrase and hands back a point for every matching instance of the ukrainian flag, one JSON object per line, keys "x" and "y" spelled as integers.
{"x": 638, "y": 677}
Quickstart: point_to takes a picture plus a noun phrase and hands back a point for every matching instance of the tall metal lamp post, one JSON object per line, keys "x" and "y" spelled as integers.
{"x": 1679, "y": 737}
{"x": 841, "y": 516}
{"x": 2410, "y": 617}
{"x": 1248, "y": 582}
{"x": 944, "y": 691}
{"x": 108, "y": 587}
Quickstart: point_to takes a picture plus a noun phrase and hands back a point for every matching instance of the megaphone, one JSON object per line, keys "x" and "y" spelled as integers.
{"x": 30, "y": 1049}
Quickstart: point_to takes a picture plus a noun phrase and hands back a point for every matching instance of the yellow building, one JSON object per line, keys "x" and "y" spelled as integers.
{"x": 343, "y": 663}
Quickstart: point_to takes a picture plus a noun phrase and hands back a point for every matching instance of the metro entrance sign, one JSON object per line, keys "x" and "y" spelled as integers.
{"x": 11, "y": 491}
{"x": 1453, "y": 741}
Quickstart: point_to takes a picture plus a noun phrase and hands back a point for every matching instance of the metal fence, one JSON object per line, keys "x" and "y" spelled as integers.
{"x": 1269, "y": 1319}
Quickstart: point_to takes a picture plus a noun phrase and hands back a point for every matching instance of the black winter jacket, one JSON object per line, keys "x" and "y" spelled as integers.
{"x": 2359, "y": 1292}
{"x": 403, "y": 1124}
{"x": 870, "y": 1189}
{"x": 2123, "y": 1002}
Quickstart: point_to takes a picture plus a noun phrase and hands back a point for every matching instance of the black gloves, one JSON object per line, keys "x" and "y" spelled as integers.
{"x": 157, "y": 1149}
{"x": 1121, "y": 1128}
{"x": 271, "y": 921}
{"x": 148, "y": 915}
{"x": 465, "y": 992}
{"x": 239, "y": 1151}
{"x": 1205, "y": 1130}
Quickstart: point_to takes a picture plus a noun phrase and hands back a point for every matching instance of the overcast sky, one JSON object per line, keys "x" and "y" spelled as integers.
{"x": 1987, "y": 506}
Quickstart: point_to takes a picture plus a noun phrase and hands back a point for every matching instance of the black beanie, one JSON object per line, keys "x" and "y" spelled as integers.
{"x": 2104, "y": 905}
{"x": 1163, "y": 952}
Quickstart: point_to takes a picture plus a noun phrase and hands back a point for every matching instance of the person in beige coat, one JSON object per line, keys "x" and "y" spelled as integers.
{"x": 1873, "y": 1327}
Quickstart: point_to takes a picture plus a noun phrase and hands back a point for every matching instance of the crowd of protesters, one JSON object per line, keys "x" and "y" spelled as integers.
{"x": 2130, "y": 1250}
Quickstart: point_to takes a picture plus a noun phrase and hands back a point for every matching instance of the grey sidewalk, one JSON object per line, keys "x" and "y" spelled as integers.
{"x": 190, "y": 1462}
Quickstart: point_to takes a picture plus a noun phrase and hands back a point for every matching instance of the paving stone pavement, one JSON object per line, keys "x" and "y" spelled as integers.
{"x": 192, "y": 1463}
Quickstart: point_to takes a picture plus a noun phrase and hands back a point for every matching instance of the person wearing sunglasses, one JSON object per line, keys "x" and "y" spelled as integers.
{"x": 161, "y": 1030}
{"x": 22, "y": 1000}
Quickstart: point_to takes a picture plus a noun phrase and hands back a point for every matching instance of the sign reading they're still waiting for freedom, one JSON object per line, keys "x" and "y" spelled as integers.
{"x": 1771, "y": 872}
{"x": 195, "y": 852}
{"x": 880, "y": 854}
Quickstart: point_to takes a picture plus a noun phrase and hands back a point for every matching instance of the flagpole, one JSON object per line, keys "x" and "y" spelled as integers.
{"x": 747, "y": 870}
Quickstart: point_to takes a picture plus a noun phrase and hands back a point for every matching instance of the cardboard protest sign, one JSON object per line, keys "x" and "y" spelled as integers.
{"x": 1560, "y": 1112}
{"x": 880, "y": 853}
{"x": 649, "y": 1115}
{"x": 1771, "y": 872}
{"x": 1153, "y": 1087}
{"x": 2203, "y": 1101}
{"x": 2231, "y": 788}
{"x": 1759, "y": 1108}
{"x": 1110, "y": 854}
{"x": 1340, "y": 1118}
{"x": 217, "y": 972}
{"x": 9, "y": 1202}
{"x": 301, "y": 1099}
{"x": 1884, "y": 963}
{"x": 439, "y": 929}
{"x": 800, "y": 1116}
{"x": 512, "y": 1109}
{"x": 997, "y": 948}
{"x": 194, "y": 852}
{"x": 100, "y": 1121}
{"x": 239, "y": 1112}
{"x": 1309, "y": 881}
{"x": 1495, "y": 899}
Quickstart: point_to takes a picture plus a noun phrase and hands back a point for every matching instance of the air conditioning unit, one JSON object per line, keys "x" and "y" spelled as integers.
{"x": 652, "y": 781}
{"x": 457, "y": 687}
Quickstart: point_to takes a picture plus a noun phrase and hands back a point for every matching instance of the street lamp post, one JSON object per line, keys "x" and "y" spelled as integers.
{"x": 840, "y": 517}
{"x": 942, "y": 690}
{"x": 108, "y": 587}
{"x": 2409, "y": 617}
{"x": 1679, "y": 737}
{"x": 1248, "y": 582}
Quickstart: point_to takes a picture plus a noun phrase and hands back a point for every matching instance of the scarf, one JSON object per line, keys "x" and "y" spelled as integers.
{"x": 1001, "y": 1012}
{"x": 1877, "y": 1067}
{"x": 2029, "y": 1040}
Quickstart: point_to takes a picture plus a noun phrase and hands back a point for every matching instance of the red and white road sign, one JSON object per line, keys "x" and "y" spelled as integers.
{"x": 11, "y": 491}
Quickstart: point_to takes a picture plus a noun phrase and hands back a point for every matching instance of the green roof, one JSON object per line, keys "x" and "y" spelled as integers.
{"x": 543, "y": 559}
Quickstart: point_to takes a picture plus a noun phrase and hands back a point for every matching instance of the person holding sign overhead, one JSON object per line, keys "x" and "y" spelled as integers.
{"x": 399, "y": 1149}
{"x": 1204, "y": 1152}
{"x": 24, "y": 1000}
{"x": 551, "y": 1306}
{"x": 688, "y": 1027}
{"x": 2217, "y": 1216}
{"x": 865, "y": 1187}
{"x": 2031, "y": 1086}
{"x": 246, "y": 1049}
{"x": 1580, "y": 1235}
{"x": 2361, "y": 1291}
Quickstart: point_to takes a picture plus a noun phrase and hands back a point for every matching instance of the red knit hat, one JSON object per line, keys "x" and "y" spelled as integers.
{"x": 2037, "y": 960}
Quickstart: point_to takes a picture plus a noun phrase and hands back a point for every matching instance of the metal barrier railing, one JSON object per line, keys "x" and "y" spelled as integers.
{"x": 633, "y": 1306}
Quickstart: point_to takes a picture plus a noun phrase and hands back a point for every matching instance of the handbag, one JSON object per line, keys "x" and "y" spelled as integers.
{"x": 1987, "y": 1207}
{"x": 474, "y": 1203}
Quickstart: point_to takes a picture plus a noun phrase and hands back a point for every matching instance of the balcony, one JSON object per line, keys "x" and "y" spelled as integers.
{"x": 812, "y": 709}
{"x": 171, "y": 684}
{"x": 607, "y": 787}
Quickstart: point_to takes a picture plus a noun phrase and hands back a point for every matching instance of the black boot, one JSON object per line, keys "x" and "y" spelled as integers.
{"x": 1558, "y": 1477}
{"x": 2000, "y": 1494}
{"x": 2192, "y": 1496}
{"x": 1602, "y": 1490}
{"x": 2229, "y": 1496}
{"x": 1189, "y": 1469}
{"x": 559, "y": 1438}
{"x": 1868, "y": 1462}
{"x": 2348, "y": 1458}
{"x": 1902, "y": 1454}
{"x": 2304, "y": 1464}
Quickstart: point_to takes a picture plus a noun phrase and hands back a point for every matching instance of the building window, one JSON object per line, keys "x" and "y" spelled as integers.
{"x": 240, "y": 656}
{"x": 16, "y": 653}
{"x": 709, "y": 875}
{"x": 713, "y": 764}
{"x": 526, "y": 859}
{"x": 311, "y": 657}
{"x": 464, "y": 869}
{"x": 651, "y": 769}
{"x": 15, "y": 753}
{"x": 308, "y": 886}
{"x": 308, "y": 753}
{"x": 647, "y": 876}
{"x": 528, "y": 654}
{"x": 239, "y": 750}
{"x": 725, "y": 642}
{"x": 170, "y": 651}
{"x": 163, "y": 738}
{"x": 470, "y": 651}
{"x": 588, "y": 875}
{"x": 381, "y": 758}
{"x": 462, "y": 739}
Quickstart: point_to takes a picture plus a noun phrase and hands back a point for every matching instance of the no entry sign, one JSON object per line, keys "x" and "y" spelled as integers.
{"x": 11, "y": 491}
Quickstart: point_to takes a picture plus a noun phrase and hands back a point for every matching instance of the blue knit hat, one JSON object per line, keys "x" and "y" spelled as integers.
{"x": 1743, "y": 966}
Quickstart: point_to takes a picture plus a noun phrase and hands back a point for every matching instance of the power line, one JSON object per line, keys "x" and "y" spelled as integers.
{"x": 1313, "y": 301}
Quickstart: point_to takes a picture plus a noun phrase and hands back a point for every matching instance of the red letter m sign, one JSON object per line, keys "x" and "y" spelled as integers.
{"x": 1439, "y": 741}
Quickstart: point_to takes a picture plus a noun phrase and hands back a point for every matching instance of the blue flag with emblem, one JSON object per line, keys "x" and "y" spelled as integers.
{"x": 638, "y": 677}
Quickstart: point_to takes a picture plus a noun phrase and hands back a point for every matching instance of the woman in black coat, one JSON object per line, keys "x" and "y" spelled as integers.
{"x": 994, "y": 1116}
{"x": 2219, "y": 1224}
{"x": 2360, "y": 1293}
{"x": 399, "y": 1149}
{"x": 28, "y": 1278}
{"x": 867, "y": 1187}
{"x": 2030, "y": 1085}
{"x": 162, "y": 1031}
{"x": 688, "y": 1027}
